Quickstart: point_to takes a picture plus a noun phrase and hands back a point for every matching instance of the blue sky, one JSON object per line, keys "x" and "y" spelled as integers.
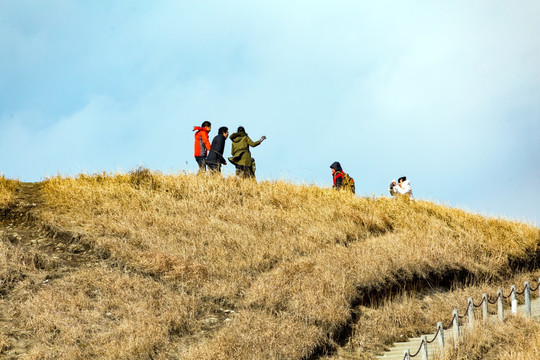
{"x": 446, "y": 93}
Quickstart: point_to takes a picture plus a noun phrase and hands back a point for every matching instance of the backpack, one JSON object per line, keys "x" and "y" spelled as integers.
{"x": 348, "y": 182}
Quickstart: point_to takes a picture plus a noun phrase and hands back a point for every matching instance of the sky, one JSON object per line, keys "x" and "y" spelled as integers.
{"x": 445, "y": 93}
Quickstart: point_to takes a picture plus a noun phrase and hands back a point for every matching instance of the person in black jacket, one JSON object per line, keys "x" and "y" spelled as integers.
{"x": 215, "y": 156}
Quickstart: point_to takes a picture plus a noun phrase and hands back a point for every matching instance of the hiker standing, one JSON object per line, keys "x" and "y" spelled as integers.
{"x": 241, "y": 156}
{"x": 341, "y": 179}
{"x": 402, "y": 187}
{"x": 202, "y": 145}
{"x": 215, "y": 157}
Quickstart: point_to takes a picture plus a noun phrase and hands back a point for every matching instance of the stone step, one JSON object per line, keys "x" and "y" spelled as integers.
{"x": 398, "y": 349}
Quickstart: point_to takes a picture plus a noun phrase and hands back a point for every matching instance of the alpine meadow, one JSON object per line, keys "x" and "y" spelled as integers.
{"x": 146, "y": 265}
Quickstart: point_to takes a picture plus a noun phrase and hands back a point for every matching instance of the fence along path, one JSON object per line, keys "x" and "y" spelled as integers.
{"x": 426, "y": 346}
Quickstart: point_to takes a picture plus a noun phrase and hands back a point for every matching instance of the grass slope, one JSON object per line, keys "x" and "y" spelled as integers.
{"x": 201, "y": 267}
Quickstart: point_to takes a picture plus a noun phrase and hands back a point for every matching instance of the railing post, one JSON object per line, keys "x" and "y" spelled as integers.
{"x": 500, "y": 307}
{"x": 407, "y": 355}
{"x": 470, "y": 305}
{"x": 527, "y": 298}
{"x": 485, "y": 302}
{"x": 514, "y": 302}
{"x": 424, "y": 345}
{"x": 440, "y": 330}
{"x": 455, "y": 327}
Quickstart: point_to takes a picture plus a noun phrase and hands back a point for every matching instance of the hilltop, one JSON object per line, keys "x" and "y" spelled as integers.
{"x": 152, "y": 266}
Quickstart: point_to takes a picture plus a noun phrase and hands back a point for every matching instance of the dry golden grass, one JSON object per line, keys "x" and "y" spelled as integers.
{"x": 7, "y": 191}
{"x": 99, "y": 313}
{"x": 289, "y": 260}
{"x": 15, "y": 261}
{"x": 258, "y": 335}
{"x": 213, "y": 235}
{"x": 517, "y": 338}
{"x": 527, "y": 346}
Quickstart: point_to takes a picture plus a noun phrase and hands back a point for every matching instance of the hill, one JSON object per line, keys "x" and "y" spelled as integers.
{"x": 152, "y": 266}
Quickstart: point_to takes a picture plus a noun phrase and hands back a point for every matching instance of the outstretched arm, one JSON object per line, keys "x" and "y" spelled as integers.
{"x": 255, "y": 143}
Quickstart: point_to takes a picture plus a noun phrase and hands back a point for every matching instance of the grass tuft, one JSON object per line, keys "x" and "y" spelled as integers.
{"x": 7, "y": 191}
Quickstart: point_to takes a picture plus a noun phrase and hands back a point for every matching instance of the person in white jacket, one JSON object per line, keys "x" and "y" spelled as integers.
{"x": 402, "y": 187}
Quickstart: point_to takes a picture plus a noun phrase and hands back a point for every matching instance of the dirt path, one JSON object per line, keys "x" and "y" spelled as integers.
{"x": 20, "y": 225}
{"x": 35, "y": 256}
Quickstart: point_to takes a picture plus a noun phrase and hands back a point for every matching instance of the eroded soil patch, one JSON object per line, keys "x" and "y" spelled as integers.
{"x": 33, "y": 257}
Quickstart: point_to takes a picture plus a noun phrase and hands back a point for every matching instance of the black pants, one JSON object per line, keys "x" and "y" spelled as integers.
{"x": 214, "y": 167}
{"x": 201, "y": 160}
{"x": 244, "y": 171}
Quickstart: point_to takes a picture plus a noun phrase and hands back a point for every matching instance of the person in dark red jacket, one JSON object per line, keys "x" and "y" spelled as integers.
{"x": 202, "y": 144}
{"x": 337, "y": 174}
{"x": 341, "y": 179}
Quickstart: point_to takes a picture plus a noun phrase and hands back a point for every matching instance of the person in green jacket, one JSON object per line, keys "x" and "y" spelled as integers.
{"x": 241, "y": 156}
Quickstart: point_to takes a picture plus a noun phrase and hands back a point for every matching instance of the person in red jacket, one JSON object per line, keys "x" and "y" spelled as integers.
{"x": 341, "y": 179}
{"x": 202, "y": 144}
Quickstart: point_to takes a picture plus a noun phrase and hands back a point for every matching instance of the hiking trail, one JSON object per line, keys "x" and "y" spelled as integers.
{"x": 40, "y": 255}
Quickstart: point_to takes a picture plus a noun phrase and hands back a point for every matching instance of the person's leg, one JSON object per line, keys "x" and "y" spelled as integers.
{"x": 249, "y": 172}
{"x": 241, "y": 171}
{"x": 238, "y": 170}
{"x": 201, "y": 162}
{"x": 213, "y": 167}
